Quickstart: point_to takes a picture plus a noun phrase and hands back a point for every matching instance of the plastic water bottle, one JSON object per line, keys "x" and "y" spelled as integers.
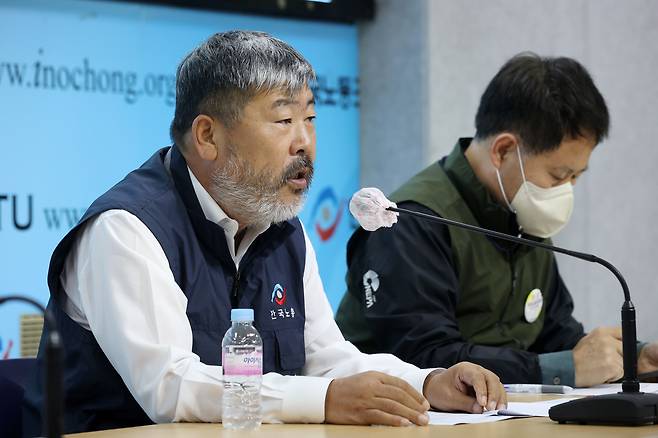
{"x": 242, "y": 364}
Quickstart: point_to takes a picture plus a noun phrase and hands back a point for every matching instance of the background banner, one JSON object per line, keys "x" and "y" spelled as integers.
{"x": 87, "y": 95}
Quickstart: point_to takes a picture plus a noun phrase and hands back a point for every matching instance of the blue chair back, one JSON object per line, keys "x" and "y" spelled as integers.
{"x": 14, "y": 374}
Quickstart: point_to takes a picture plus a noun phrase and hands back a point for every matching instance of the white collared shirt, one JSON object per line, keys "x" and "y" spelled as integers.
{"x": 119, "y": 285}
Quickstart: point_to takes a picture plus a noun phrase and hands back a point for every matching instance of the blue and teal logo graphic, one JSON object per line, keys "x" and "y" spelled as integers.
{"x": 279, "y": 295}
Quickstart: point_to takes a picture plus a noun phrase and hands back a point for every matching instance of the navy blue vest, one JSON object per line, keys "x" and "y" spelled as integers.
{"x": 270, "y": 281}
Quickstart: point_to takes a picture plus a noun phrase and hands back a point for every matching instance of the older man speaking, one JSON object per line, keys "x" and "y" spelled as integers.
{"x": 143, "y": 286}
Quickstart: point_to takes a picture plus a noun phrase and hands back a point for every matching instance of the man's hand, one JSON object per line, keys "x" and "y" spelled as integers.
{"x": 648, "y": 360}
{"x": 465, "y": 387}
{"x": 374, "y": 398}
{"x": 598, "y": 357}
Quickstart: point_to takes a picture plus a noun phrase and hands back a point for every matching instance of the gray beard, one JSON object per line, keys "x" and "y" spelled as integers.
{"x": 252, "y": 198}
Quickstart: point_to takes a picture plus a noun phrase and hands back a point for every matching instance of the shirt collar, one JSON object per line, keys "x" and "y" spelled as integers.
{"x": 214, "y": 213}
{"x": 210, "y": 207}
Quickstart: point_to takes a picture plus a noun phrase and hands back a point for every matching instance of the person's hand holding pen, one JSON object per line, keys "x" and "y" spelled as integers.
{"x": 465, "y": 387}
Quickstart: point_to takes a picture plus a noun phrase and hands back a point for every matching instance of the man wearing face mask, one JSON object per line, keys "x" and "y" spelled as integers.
{"x": 436, "y": 295}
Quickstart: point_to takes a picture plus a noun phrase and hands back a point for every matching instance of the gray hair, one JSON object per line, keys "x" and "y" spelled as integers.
{"x": 219, "y": 77}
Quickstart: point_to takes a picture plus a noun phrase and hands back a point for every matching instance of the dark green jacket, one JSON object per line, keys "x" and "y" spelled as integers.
{"x": 436, "y": 295}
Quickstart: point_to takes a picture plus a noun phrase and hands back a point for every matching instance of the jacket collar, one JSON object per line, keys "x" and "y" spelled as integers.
{"x": 486, "y": 210}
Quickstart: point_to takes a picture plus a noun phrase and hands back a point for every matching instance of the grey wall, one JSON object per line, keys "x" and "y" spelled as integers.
{"x": 424, "y": 65}
{"x": 393, "y": 57}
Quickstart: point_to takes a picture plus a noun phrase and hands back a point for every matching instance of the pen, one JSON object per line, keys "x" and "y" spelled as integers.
{"x": 538, "y": 389}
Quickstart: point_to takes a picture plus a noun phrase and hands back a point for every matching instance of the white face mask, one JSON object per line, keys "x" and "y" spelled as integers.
{"x": 540, "y": 212}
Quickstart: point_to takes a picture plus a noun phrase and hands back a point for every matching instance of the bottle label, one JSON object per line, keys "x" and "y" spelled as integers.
{"x": 242, "y": 360}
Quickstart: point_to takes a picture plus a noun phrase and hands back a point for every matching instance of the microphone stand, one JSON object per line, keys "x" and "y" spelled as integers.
{"x": 52, "y": 422}
{"x": 629, "y": 407}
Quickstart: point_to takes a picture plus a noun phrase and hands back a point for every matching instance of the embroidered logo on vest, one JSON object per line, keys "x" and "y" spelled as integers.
{"x": 279, "y": 297}
{"x": 370, "y": 286}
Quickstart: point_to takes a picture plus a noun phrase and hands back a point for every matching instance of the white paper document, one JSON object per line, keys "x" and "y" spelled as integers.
{"x": 514, "y": 410}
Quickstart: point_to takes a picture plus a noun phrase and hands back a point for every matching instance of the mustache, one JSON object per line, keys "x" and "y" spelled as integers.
{"x": 303, "y": 165}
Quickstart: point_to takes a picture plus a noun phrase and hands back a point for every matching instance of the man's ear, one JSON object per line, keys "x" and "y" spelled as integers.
{"x": 502, "y": 145}
{"x": 206, "y": 136}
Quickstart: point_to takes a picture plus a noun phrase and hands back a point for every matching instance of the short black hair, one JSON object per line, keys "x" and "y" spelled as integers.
{"x": 219, "y": 77}
{"x": 543, "y": 101}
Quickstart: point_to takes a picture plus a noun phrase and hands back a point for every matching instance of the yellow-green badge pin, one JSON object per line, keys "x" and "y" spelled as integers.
{"x": 533, "y": 305}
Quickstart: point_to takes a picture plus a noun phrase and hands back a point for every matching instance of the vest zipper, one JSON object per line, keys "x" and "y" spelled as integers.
{"x": 236, "y": 286}
{"x": 513, "y": 277}
{"x": 510, "y": 298}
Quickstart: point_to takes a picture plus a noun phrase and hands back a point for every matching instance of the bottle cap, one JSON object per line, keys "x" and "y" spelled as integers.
{"x": 242, "y": 315}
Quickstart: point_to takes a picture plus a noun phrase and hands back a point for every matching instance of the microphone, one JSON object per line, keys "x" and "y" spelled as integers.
{"x": 373, "y": 210}
{"x": 52, "y": 422}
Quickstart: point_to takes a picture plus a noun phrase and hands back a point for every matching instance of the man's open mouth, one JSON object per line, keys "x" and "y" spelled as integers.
{"x": 300, "y": 179}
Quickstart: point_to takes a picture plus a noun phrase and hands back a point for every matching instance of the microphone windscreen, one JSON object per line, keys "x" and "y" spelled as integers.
{"x": 368, "y": 206}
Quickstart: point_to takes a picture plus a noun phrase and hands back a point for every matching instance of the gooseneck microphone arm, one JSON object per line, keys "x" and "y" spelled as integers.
{"x": 630, "y": 384}
{"x": 52, "y": 423}
{"x": 629, "y": 407}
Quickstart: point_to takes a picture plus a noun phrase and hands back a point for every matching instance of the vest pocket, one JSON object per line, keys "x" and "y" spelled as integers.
{"x": 291, "y": 349}
{"x": 269, "y": 352}
{"x": 283, "y": 351}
